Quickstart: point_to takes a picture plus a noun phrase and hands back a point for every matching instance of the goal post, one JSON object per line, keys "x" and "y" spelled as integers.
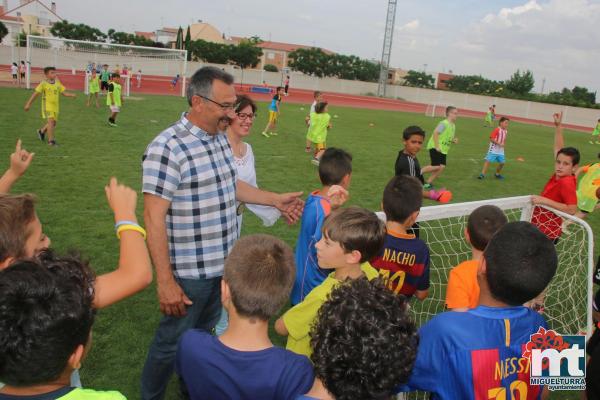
{"x": 74, "y": 56}
{"x": 568, "y": 297}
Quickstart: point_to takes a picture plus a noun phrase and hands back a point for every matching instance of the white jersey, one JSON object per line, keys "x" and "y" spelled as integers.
{"x": 247, "y": 173}
{"x": 14, "y": 69}
{"x": 313, "y": 107}
{"x": 498, "y": 135}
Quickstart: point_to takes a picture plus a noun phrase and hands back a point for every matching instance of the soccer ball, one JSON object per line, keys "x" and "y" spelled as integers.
{"x": 445, "y": 197}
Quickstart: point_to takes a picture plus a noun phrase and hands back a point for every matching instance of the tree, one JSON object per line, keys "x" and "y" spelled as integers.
{"x": 271, "y": 68}
{"x": 245, "y": 55}
{"x": 210, "y": 52}
{"x": 3, "y": 31}
{"x": 419, "y": 79}
{"x": 179, "y": 40}
{"x": 311, "y": 61}
{"x": 521, "y": 82}
{"x": 65, "y": 29}
{"x": 188, "y": 42}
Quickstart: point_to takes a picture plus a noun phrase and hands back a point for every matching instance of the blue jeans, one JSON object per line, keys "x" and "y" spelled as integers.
{"x": 202, "y": 314}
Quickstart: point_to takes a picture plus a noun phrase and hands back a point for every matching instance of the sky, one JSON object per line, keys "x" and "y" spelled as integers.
{"x": 556, "y": 39}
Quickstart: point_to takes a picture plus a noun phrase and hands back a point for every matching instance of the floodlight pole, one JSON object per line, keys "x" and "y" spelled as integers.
{"x": 387, "y": 47}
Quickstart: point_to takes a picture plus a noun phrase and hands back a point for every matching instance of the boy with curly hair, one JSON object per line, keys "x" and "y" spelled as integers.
{"x": 343, "y": 347}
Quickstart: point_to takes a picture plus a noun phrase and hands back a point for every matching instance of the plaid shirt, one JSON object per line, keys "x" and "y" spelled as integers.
{"x": 195, "y": 171}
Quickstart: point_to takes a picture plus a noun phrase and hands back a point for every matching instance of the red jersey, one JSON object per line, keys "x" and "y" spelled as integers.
{"x": 562, "y": 190}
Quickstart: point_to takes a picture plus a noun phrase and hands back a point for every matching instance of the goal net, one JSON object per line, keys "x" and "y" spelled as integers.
{"x": 568, "y": 298}
{"x": 73, "y": 59}
{"x": 435, "y": 110}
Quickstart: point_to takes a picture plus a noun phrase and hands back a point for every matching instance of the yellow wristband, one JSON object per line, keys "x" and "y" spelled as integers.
{"x": 129, "y": 227}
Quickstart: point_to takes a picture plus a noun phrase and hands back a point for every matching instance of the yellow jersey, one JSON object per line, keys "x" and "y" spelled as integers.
{"x": 50, "y": 95}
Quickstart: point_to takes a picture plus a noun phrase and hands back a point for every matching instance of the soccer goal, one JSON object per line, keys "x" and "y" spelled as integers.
{"x": 435, "y": 110}
{"x": 72, "y": 58}
{"x": 568, "y": 298}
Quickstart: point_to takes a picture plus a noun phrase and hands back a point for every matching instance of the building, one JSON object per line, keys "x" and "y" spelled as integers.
{"x": 442, "y": 79}
{"x": 276, "y": 53}
{"x": 29, "y": 17}
{"x": 166, "y": 35}
{"x": 396, "y": 76}
{"x": 204, "y": 31}
{"x": 147, "y": 35}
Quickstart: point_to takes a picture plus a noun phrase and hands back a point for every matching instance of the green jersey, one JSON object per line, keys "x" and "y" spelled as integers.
{"x": 94, "y": 84}
{"x": 596, "y": 130}
{"x": 89, "y": 394}
{"x": 317, "y": 132}
{"x": 104, "y": 76}
{"x": 114, "y": 89}
{"x": 446, "y": 130}
{"x": 586, "y": 191}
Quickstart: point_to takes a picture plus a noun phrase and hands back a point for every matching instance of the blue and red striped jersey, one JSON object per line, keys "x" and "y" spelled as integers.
{"x": 403, "y": 263}
{"x": 477, "y": 355}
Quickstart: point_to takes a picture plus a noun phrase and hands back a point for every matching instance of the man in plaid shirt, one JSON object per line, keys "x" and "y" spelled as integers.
{"x": 190, "y": 189}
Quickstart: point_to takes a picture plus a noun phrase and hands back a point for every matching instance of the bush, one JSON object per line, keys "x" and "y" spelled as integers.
{"x": 271, "y": 68}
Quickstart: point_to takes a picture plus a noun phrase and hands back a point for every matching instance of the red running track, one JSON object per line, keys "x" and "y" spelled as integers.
{"x": 161, "y": 85}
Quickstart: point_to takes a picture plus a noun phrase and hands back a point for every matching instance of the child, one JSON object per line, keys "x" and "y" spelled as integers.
{"x": 243, "y": 363}
{"x": 22, "y": 71}
{"x": 351, "y": 237}
{"x": 14, "y": 70}
{"x": 19, "y": 162}
{"x": 273, "y": 113}
{"x": 317, "y": 99}
{"x": 174, "y": 82}
{"x": 114, "y": 99}
{"x": 21, "y": 236}
{"x": 44, "y": 342}
{"x": 490, "y": 116}
{"x": 463, "y": 291}
{"x": 403, "y": 262}
{"x": 104, "y": 78}
{"x": 317, "y": 131}
{"x": 596, "y": 133}
{"x": 439, "y": 145}
{"x": 287, "y": 85}
{"x": 353, "y": 373}
{"x": 460, "y": 353}
{"x": 50, "y": 89}
{"x": 94, "y": 87}
{"x": 587, "y": 190}
{"x": 560, "y": 191}
{"x": 335, "y": 170}
{"x": 496, "y": 149}
{"x": 408, "y": 164}
{"x": 138, "y": 78}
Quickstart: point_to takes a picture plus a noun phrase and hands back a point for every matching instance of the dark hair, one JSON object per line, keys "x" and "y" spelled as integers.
{"x": 320, "y": 107}
{"x": 412, "y": 130}
{"x": 483, "y": 223}
{"x": 502, "y": 119}
{"x": 242, "y": 101}
{"x": 402, "y": 196}
{"x": 364, "y": 341}
{"x": 570, "y": 152}
{"x": 201, "y": 83}
{"x": 448, "y": 109}
{"x": 22, "y": 62}
{"x": 318, "y": 93}
{"x": 260, "y": 272}
{"x": 278, "y": 88}
{"x": 48, "y": 69}
{"x": 15, "y": 64}
{"x": 355, "y": 228}
{"x": 16, "y": 213}
{"x": 521, "y": 261}
{"x": 115, "y": 75}
{"x": 334, "y": 165}
{"x": 46, "y": 314}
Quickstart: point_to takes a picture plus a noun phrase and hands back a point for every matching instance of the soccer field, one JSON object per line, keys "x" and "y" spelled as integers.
{"x": 69, "y": 183}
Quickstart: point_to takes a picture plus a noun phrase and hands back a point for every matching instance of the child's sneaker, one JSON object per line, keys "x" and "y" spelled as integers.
{"x": 53, "y": 143}
{"x": 597, "y": 142}
{"x": 591, "y": 142}
{"x": 481, "y": 176}
{"x": 315, "y": 161}
{"x": 499, "y": 176}
{"x": 273, "y": 133}
{"x": 112, "y": 123}
{"x": 41, "y": 135}
{"x": 265, "y": 134}
{"x": 428, "y": 186}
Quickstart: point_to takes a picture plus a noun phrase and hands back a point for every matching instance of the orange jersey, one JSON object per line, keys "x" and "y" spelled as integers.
{"x": 463, "y": 289}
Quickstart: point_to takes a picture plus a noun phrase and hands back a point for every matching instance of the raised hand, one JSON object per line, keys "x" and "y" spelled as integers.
{"x": 20, "y": 160}
{"x": 122, "y": 200}
{"x": 558, "y": 118}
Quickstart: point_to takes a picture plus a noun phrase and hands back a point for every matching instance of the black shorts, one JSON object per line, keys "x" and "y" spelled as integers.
{"x": 437, "y": 158}
{"x": 15, "y": 76}
{"x": 22, "y": 74}
{"x": 103, "y": 85}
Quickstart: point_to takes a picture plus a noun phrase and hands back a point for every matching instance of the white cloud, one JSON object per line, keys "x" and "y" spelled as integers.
{"x": 409, "y": 26}
{"x": 505, "y": 14}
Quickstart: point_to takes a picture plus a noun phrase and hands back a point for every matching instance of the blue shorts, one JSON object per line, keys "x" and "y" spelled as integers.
{"x": 495, "y": 158}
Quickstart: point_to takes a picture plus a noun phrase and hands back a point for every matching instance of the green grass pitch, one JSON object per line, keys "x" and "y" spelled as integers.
{"x": 69, "y": 182}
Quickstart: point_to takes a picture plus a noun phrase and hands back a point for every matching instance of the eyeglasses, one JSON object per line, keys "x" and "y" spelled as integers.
{"x": 244, "y": 116}
{"x": 225, "y": 107}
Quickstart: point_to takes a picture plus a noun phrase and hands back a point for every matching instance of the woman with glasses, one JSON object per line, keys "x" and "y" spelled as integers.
{"x": 238, "y": 129}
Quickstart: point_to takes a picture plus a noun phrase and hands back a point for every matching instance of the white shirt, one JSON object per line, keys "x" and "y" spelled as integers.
{"x": 14, "y": 69}
{"x": 247, "y": 173}
{"x": 313, "y": 107}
